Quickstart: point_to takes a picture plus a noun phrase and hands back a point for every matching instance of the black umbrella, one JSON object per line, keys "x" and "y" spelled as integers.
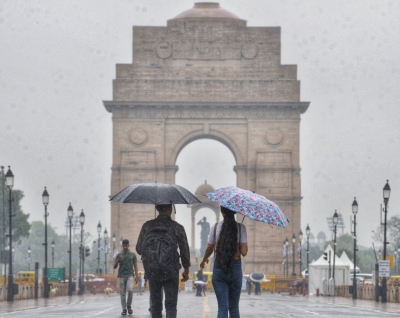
{"x": 257, "y": 277}
{"x": 155, "y": 193}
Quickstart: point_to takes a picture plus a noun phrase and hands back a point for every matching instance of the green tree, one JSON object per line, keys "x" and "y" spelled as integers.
{"x": 35, "y": 242}
{"x": 20, "y": 222}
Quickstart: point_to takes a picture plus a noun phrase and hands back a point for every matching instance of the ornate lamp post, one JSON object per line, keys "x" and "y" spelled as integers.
{"x": 113, "y": 238}
{"x": 335, "y": 222}
{"x": 293, "y": 251}
{"x": 386, "y": 196}
{"x": 10, "y": 184}
{"x": 287, "y": 263}
{"x": 98, "y": 247}
{"x": 300, "y": 248}
{"x": 355, "y": 210}
{"x": 81, "y": 255}
{"x": 45, "y": 199}
{"x": 29, "y": 258}
{"x": 70, "y": 211}
{"x": 3, "y": 236}
{"x": 105, "y": 236}
{"x": 308, "y": 245}
{"x": 53, "y": 245}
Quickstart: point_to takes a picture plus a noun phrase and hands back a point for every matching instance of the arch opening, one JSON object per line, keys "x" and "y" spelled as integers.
{"x": 202, "y": 161}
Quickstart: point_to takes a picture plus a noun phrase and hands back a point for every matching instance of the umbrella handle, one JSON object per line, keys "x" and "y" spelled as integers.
{"x": 243, "y": 218}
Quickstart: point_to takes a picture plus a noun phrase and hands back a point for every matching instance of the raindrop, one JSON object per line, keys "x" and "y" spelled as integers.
{"x": 25, "y": 147}
{"x": 12, "y": 106}
{"x": 86, "y": 141}
{"x": 81, "y": 168}
{"x": 144, "y": 9}
{"x": 50, "y": 158}
{"x": 98, "y": 51}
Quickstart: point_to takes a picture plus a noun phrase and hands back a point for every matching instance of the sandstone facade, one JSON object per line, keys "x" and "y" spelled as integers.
{"x": 207, "y": 75}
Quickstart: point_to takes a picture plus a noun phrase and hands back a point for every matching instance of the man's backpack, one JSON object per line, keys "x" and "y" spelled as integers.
{"x": 160, "y": 254}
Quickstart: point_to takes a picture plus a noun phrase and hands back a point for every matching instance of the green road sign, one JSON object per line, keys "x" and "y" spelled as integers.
{"x": 55, "y": 274}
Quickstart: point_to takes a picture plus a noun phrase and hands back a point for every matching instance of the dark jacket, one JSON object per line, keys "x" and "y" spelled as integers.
{"x": 165, "y": 221}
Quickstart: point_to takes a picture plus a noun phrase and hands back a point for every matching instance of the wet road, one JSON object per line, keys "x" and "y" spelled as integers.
{"x": 266, "y": 305}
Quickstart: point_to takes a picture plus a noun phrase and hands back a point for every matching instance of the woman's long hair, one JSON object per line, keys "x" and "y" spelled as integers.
{"x": 227, "y": 244}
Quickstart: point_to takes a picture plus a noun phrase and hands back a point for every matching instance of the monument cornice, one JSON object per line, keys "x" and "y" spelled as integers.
{"x": 111, "y": 105}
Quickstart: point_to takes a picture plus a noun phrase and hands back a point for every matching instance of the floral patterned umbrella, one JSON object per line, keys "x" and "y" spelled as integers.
{"x": 250, "y": 204}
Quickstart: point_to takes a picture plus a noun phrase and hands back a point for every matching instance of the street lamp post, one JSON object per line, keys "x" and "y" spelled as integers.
{"x": 355, "y": 210}
{"x": 113, "y": 238}
{"x": 335, "y": 222}
{"x": 395, "y": 262}
{"x": 287, "y": 253}
{"x": 308, "y": 246}
{"x": 81, "y": 255}
{"x": 3, "y": 243}
{"x": 98, "y": 247}
{"x": 293, "y": 251}
{"x": 45, "y": 199}
{"x": 70, "y": 211}
{"x": 300, "y": 248}
{"x": 29, "y": 258}
{"x": 53, "y": 245}
{"x": 105, "y": 236}
{"x": 386, "y": 196}
{"x": 10, "y": 184}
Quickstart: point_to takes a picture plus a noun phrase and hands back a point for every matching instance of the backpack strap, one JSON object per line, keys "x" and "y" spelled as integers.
{"x": 215, "y": 237}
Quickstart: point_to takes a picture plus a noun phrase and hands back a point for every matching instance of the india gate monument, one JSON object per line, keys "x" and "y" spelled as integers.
{"x": 206, "y": 74}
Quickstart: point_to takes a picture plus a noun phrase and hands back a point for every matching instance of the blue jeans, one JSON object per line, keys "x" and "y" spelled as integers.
{"x": 228, "y": 287}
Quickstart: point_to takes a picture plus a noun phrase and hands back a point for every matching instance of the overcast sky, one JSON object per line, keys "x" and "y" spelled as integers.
{"x": 57, "y": 63}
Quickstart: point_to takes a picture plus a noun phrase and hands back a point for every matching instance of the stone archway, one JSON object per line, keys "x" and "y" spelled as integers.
{"x": 207, "y": 75}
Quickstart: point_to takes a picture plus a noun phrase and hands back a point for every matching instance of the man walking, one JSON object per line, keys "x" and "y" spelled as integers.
{"x": 126, "y": 260}
{"x": 157, "y": 243}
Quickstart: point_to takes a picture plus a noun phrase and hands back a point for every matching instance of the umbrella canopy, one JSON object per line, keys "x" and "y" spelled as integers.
{"x": 155, "y": 193}
{"x": 250, "y": 204}
{"x": 199, "y": 282}
{"x": 257, "y": 277}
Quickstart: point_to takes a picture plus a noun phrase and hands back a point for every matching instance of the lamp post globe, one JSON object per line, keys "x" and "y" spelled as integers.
{"x": 9, "y": 178}
{"x": 82, "y": 218}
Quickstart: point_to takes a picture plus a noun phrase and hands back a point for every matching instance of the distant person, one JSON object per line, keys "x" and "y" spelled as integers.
{"x": 257, "y": 289}
{"x": 158, "y": 244}
{"x": 230, "y": 241}
{"x": 126, "y": 260}
{"x": 199, "y": 286}
{"x": 248, "y": 285}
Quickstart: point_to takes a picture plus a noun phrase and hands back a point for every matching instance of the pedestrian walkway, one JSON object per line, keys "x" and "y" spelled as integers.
{"x": 190, "y": 306}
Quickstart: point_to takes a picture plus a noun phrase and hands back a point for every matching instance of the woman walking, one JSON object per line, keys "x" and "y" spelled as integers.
{"x": 228, "y": 241}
